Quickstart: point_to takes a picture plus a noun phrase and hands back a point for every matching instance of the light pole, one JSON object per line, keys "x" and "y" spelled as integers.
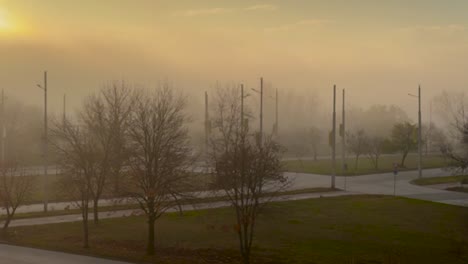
{"x": 207, "y": 123}
{"x": 419, "y": 132}
{"x": 45, "y": 189}
{"x": 276, "y": 113}
{"x": 343, "y": 139}
{"x": 261, "y": 108}
{"x": 333, "y": 139}
{"x": 3, "y": 129}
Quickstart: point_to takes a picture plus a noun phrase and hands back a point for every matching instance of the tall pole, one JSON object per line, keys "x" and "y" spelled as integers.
{"x": 242, "y": 109}
{"x": 334, "y": 139}
{"x": 45, "y": 144}
{"x": 261, "y": 110}
{"x": 419, "y": 133}
{"x": 64, "y": 108}
{"x": 206, "y": 122}
{"x": 276, "y": 113}
{"x": 3, "y": 128}
{"x": 343, "y": 138}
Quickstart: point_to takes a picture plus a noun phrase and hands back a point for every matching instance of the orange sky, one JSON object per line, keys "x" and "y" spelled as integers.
{"x": 378, "y": 51}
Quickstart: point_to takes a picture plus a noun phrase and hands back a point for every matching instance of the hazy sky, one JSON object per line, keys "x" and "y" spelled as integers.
{"x": 378, "y": 50}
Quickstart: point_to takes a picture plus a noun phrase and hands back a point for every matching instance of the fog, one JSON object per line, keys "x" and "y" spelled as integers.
{"x": 378, "y": 54}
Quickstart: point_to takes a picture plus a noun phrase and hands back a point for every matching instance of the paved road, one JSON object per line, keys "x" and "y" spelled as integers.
{"x": 384, "y": 184}
{"x": 366, "y": 184}
{"x": 22, "y": 255}
{"x": 189, "y": 207}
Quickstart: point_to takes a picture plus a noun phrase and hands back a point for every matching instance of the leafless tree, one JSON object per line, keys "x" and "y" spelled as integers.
{"x": 15, "y": 190}
{"x": 118, "y": 100}
{"x": 245, "y": 168}
{"x": 314, "y": 139}
{"x": 404, "y": 139}
{"x": 106, "y": 116}
{"x": 453, "y": 109}
{"x": 160, "y": 159}
{"x": 374, "y": 148}
{"x": 357, "y": 144}
{"x": 77, "y": 152}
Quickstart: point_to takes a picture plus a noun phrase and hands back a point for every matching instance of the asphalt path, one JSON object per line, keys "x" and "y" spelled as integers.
{"x": 22, "y": 255}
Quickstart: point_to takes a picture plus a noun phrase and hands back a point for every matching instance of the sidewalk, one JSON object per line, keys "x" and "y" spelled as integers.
{"x": 136, "y": 212}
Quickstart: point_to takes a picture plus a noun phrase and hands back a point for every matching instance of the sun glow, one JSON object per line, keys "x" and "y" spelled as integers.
{"x": 5, "y": 22}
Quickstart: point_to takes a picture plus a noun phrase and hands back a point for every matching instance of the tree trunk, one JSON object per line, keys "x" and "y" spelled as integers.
{"x": 7, "y": 222}
{"x": 245, "y": 258}
{"x": 96, "y": 211}
{"x": 85, "y": 227}
{"x": 403, "y": 159}
{"x": 151, "y": 245}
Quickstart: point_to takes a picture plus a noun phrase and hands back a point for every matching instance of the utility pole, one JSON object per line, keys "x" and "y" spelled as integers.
{"x": 276, "y": 113}
{"x": 333, "y": 139}
{"x": 242, "y": 109}
{"x": 261, "y": 110}
{"x": 343, "y": 139}
{"x": 207, "y": 122}
{"x": 64, "y": 108}
{"x": 419, "y": 133}
{"x": 3, "y": 128}
{"x": 45, "y": 189}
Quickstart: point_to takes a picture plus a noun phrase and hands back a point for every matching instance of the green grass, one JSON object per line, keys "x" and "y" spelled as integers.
{"x": 439, "y": 180}
{"x": 58, "y": 193}
{"x": 365, "y": 166}
{"x": 350, "y": 229}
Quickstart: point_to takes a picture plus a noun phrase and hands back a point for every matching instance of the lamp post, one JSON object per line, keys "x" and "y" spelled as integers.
{"x": 261, "y": 109}
{"x": 3, "y": 132}
{"x": 333, "y": 139}
{"x": 45, "y": 189}
{"x": 419, "y": 132}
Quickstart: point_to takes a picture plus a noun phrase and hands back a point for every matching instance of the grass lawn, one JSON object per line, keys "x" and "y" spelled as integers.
{"x": 349, "y": 229}
{"x": 58, "y": 193}
{"x": 439, "y": 180}
{"x": 365, "y": 165}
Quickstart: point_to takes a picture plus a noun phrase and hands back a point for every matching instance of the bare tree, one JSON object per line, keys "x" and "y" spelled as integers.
{"x": 357, "y": 144}
{"x": 160, "y": 160}
{"x": 106, "y": 116}
{"x": 453, "y": 108}
{"x": 77, "y": 152}
{"x": 245, "y": 168}
{"x": 118, "y": 100}
{"x": 314, "y": 139}
{"x": 404, "y": 139}
{"x": 375, "y": 148}
{"x": 15, "y": 190}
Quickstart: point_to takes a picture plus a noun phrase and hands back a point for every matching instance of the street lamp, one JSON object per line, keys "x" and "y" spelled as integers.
{"x": 261, "y": 108}
{"x": 419, "y": 131}
{"x": 45, "y": 141}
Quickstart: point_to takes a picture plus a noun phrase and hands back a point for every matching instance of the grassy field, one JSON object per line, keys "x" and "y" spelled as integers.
{"x": 350, "y": 229}
{"x": 58, "y": 193}
{"x": 365, "y": 165}
{"x": 439, "y": 180}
